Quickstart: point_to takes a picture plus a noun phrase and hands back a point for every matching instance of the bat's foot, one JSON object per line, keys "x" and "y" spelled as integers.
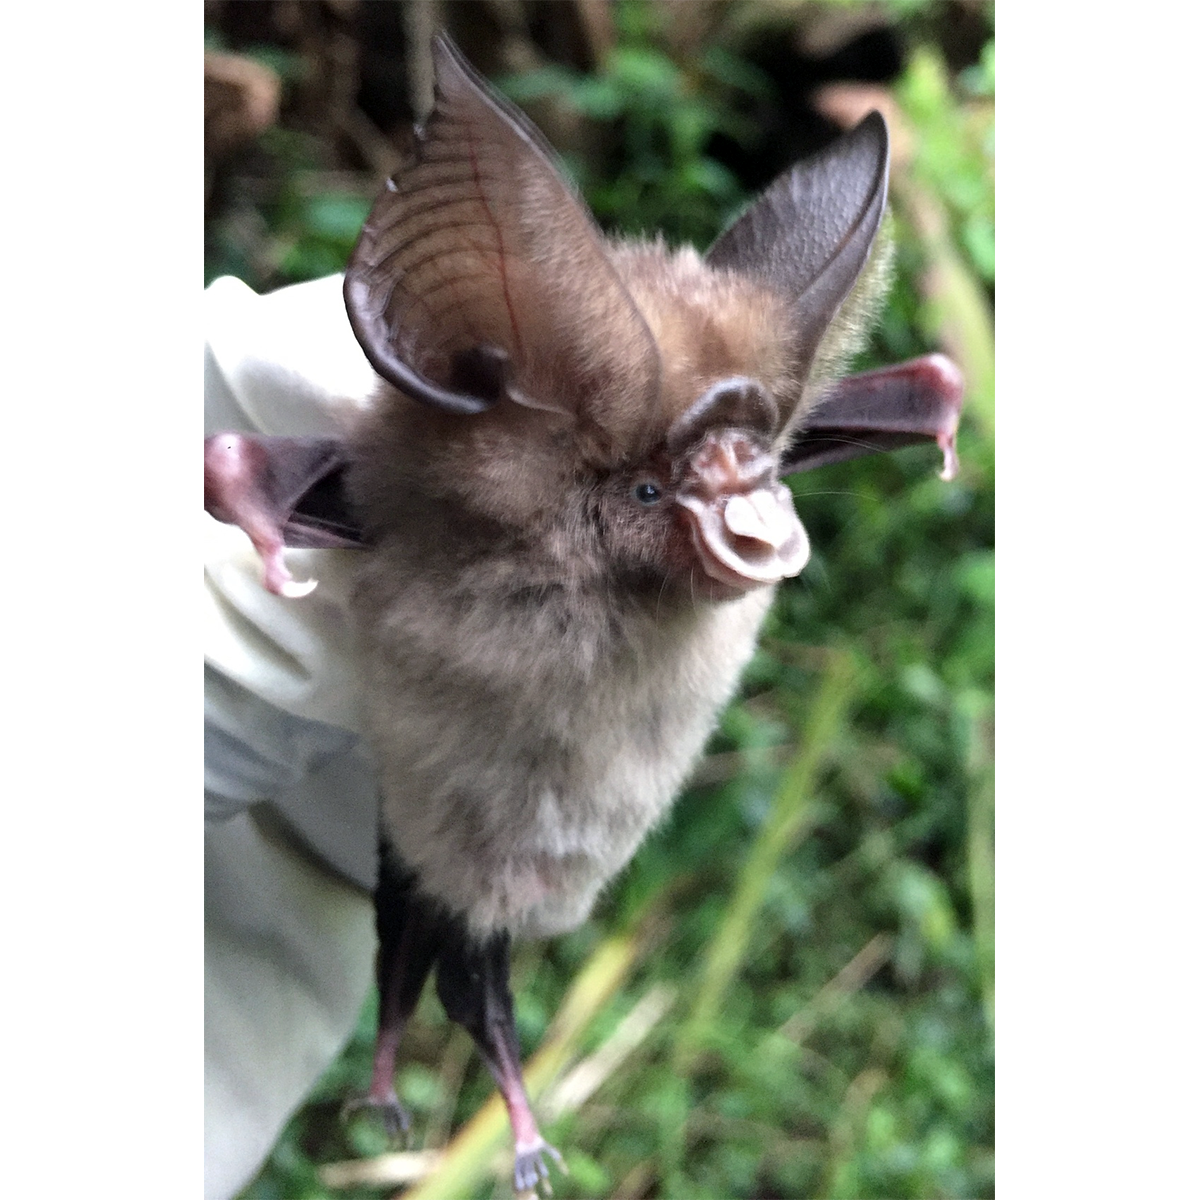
{"x": 392, "y": 1115}
{"x": 530, "y": 1173}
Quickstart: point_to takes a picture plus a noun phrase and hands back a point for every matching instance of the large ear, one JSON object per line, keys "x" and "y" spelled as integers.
{"x": 808, "y": 235}
{"x": 481, "y": 275}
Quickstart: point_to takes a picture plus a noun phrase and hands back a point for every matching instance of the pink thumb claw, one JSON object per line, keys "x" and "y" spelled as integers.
{"x": 278, "y": 579}
{"x": 949, "y": 469}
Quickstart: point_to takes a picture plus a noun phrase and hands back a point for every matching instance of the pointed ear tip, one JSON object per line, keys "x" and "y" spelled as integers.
{"x": 874, "y": 126}
{"x": 448, "y": 59}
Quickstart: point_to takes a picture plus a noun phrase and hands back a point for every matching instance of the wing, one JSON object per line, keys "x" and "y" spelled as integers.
{"x": 288, "y": 491}
{"x": 915, "y": 401}
{"x": 283, "y": 491}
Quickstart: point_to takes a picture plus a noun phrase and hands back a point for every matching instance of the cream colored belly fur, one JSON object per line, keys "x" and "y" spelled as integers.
{"x": 517, "y": 782}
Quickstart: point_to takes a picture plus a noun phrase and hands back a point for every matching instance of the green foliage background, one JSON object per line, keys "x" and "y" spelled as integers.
{"x": 819, "y": 908}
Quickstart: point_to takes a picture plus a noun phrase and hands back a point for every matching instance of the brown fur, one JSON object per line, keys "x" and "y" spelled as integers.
{"x": 542, "y": 671}
{"x": 545, "y": 653}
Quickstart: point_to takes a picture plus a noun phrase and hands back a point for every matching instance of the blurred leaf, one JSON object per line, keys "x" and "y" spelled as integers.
{"x": 336, "y": 216}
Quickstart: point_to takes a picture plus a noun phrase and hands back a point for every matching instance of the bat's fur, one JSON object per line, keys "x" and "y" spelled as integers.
{"x": 541, "y": 670}
{"x": 853, "y": 321}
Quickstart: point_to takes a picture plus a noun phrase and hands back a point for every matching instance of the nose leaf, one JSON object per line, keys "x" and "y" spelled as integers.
{"x": 748, "y": 539}
{"x": 759, "y": 516}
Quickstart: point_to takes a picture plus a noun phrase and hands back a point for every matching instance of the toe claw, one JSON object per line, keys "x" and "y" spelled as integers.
{"x": 392, "y": 1114}
{"x": 530, "y": 1172}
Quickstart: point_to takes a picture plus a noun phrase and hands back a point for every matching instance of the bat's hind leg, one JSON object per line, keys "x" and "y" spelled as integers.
{"x": 472, "y": 984}
{"x": 407, "y": 927}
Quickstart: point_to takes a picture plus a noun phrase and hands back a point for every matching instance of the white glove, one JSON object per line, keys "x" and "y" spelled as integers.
{"x": 290, "y": 793}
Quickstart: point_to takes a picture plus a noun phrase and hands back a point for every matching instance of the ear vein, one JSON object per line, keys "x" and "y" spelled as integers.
{"x": 503, "y": 263}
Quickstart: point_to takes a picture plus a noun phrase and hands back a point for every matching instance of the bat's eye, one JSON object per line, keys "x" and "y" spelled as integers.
{"x": 647, "y": 493}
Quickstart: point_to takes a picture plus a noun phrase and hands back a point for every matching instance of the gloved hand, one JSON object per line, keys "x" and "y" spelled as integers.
{"x": 290, "y": 797}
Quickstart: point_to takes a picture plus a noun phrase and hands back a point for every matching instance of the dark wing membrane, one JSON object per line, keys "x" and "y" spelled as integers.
{"x": 285, "y": 491}
{"x": 915, "y": 401}
{"x": 480, "y": 274}
{"x": 808, "y": 236}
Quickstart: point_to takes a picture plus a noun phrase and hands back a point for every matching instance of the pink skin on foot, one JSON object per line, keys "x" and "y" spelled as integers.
{"x": 529, "y": 1168}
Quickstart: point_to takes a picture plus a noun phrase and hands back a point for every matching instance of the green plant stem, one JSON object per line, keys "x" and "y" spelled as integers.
{"x": 958, "y": 311}
{"x": 793, "y": 813}
{"x": 981, "y": 851}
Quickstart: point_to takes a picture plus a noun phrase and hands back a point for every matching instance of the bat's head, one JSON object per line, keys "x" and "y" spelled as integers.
{"x": 630, "y": 402}
{"x": 706, "y": 511}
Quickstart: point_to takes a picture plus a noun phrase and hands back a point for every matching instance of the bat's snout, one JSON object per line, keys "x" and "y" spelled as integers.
{"x": 742, "y": 520}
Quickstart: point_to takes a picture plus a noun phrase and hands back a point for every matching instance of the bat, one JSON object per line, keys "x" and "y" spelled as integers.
{"x": 568, "y": 496}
